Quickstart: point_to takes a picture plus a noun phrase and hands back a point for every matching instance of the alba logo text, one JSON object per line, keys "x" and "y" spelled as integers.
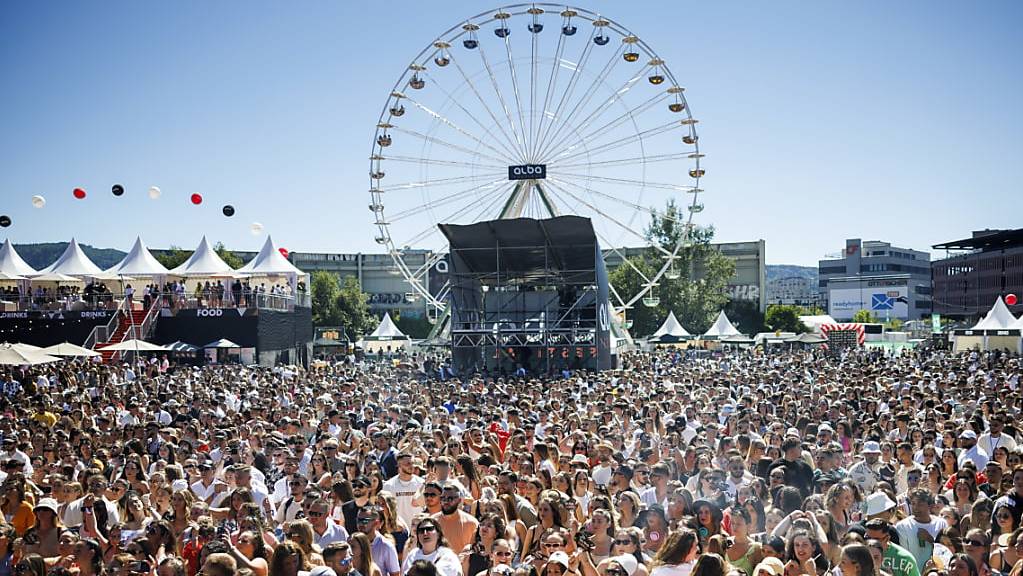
{"x": 527, "y": 172}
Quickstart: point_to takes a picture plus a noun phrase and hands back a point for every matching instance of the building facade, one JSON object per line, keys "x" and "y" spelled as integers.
{"x": 794, "y": 291}
{"x": 891, "y": 282}
{"x": 977, "y": 271}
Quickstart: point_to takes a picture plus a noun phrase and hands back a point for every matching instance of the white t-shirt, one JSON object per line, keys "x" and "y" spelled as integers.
{"x": 684, "y": 569}
{"x": 443, "y": 558}
{"x": 405, "y": 492}
{"x": 909, "y": 540}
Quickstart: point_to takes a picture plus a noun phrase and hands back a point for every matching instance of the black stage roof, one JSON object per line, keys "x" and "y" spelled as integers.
{"x": 524, "y": 246}
{"x": 986, "y": 240}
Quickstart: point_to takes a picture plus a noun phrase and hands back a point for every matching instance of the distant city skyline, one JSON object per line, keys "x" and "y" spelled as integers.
{"x": 820, "y": 121}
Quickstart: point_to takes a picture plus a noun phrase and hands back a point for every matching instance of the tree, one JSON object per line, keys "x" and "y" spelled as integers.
{"x": 232, "y": 259}
{"x": 864, "y": 317}
{"x": 325, "y": 293}
{"x": 353, "y": 309}
{"x": 784, "y": 318}
{"x": 698, "y": 293}
{"x": 746, "y": 316}
{"x": 172, "y": 258}
{"x": 412, "y": 326}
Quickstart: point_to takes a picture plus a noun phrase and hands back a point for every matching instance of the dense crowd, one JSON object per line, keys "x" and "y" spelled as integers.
{"x": 743, "y": 465}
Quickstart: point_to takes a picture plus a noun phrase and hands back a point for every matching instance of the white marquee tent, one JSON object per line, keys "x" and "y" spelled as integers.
{"x": 138, "y": 262}
{"x": 386, "y": 335}
{"x": 670, "y": 331}
{"x": 270, "y": 262}
{"x": 998, "y": 330}
{"x": 721, "y": 328}
{"x": 11, "y": 263}
{"x": 204, "y": 262}
{"x": 73, "y": 262}
{"x": 997, "y": 318}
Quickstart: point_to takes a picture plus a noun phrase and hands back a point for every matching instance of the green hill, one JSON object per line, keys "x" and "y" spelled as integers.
{"x": 43, "y": 254}
{"x": 776, "y": 271}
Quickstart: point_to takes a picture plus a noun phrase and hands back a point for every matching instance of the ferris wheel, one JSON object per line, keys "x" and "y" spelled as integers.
{"x": 534, "y": 110}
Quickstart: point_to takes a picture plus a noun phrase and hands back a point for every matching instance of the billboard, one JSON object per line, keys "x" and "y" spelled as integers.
{"x": 885, "y": 302}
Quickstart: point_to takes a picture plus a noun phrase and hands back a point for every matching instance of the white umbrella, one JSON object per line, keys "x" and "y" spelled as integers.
{"x": 21, "y": 347}
{"x": 222, "y": 343}
{"x": 69, "y": 349}
{"x": 54, "y": 277}
{"x": 11, "y": 356}
{"x": 134, "y": 345}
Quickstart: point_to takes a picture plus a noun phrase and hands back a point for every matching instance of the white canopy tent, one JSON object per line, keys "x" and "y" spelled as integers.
{"x": 721, "y": 328}
{"x": 985, "y": 334}
{"x": 270, "y": 262}
{"x": 670, "y": 331}
{"x": 138, "y": 262}
{"x": 204, "y": 262}
{"x": 11, "y": 263}
{"x": 997, "y": 318}
{"x": 386, "y": 335}
{"x": 73, "y": 262}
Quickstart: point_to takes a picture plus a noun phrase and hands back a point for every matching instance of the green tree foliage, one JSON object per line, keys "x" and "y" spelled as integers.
{"x": 696, "y": 296}
{"x": 232, "y": 259}
{"x": 784, "y": 318}
{"x": 325, "y": 292}
{"x": 412, "y": 326}
{"x": 746, "y": 316}
{"x": 864, "y": 317}
{"x": 172, "y": 258}
{"x": 341, "y": 303}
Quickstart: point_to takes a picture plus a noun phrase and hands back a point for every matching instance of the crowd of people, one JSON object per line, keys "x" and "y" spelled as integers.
{"x": 733, "y": 465}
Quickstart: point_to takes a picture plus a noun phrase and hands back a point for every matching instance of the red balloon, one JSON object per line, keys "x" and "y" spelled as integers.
{"x": 283, "y": 251}
{"x": 79, "y": 193}
{"x": 1011, "y": 299}
{"x": 196, "y": 199}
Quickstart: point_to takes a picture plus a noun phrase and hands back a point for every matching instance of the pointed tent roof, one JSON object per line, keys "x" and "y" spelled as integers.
{"x": 1018, "y": 324}
{"x": 722, "y": 327}
{"x": 998, "y": 318}
{"x": 11, "y": 263}
{"x": 73, "y": 262}
{"x": 387, "y": 330}
{"x": 203, "y": 262}
{"x": 270, "y": 261}
{"x": 138, "y": 262}
{"x": 671, "y": 328}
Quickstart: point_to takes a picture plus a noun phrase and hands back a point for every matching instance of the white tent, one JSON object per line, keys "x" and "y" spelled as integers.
{"x": 269, "y": 260}
{"x": 814, "y": 322}
{"x": 138, "y": 262}
{"x": 1018, "y": 324}
{"x": 11, "y": 263}
{"x": 722, "y": 327}
{"x": 998, "y": 318}
{"x": 73, "y": 262}
{"x": 203, "y": 262}
{"x": 670, "y": 331}
{"x": 387, "y": 335}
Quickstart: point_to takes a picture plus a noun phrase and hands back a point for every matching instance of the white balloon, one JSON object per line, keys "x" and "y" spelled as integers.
{"x": 154, "y": 192}
{"x": 38, "y": 201}
{"x": 256, "y": 228}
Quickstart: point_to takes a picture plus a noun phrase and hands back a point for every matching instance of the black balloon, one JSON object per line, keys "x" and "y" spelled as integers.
{"x": 228, "y": 210}
{"x": 118, "y": 190}
{"x": 5, "y": 221}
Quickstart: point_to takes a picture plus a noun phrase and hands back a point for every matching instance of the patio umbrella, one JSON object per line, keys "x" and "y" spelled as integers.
{"x": 70, "y": 350}
{"x": 21, "y": 347}
{"x": 222, "y": 343}
{"x": 135, "y": 345}
{"x": 11, "y": 356}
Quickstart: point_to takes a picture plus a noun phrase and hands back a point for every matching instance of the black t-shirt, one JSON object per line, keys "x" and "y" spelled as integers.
{"x": 798, "y": 474}
{"x": 350, "y": 510}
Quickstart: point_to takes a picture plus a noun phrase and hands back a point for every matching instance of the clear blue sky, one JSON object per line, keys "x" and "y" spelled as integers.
{"x": 898, "y": 121}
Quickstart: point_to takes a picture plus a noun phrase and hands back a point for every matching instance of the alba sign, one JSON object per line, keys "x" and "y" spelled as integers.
{"x": 527, "y": 172}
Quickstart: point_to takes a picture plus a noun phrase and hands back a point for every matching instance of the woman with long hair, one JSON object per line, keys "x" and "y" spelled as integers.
{"x": 132, "y": 511}
{"x": 362, "y": 555}
{"x": 12, "y": 502}
{"x": 1003, "y": 559}
{"x": 301, "y": 532}
{"x": 710, "y": 565}
{"x": 31, "y": 565}
{"x": 857, "y": 561}
{"x": 978, "y": 548}
{"x": 391, "y": 525}
{"x": 160, "y": 540}
{"x": 88, "y": 557}
{"x": 46, "y": 529}
{"x": 708, "y": 519}
{"x": 744, "y": 553}
{"x": 549, "y": 515}
{"x": 469, "y": 476}
{"x": 628, "y": 542}
{"x": 477, "y": 555}
{"x": 251, "y": 552}
{"x": 628, "y": 507}
{"x": 287, "y": 560}
{"x": 433, "y": 547}
{"x": 180, "y": 512}
{"x": 804, "y": 554}
{"x": 319, "y": 474}
{"x": 677, "y": 555}
{"x": 133, "y": 473}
